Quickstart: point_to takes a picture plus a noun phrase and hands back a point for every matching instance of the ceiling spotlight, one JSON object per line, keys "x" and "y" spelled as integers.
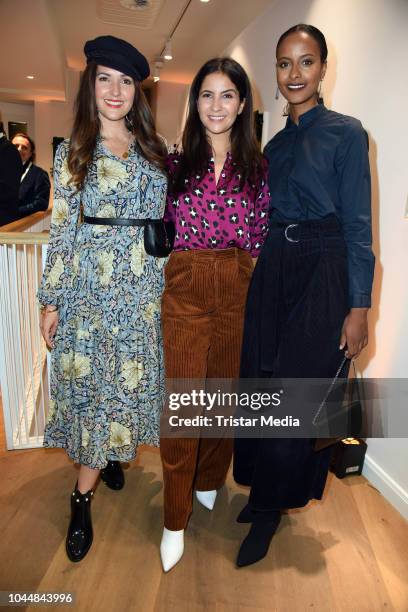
{"x": 168, "y": 55}
{"x": 205, "y": 0}
{"x": 30, "y": 76}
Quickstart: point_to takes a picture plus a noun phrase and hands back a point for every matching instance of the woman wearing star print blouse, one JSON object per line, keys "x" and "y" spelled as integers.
{"x": 218, "y": 199}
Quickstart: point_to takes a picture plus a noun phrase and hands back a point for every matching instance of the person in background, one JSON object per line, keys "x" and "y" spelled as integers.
{"x": 11, "y": 170}
{"x": 218, "y": 198}
{"x": 34, "y": 194}
{"x": 101, "y": 291}
{"x": 307, "y": 306}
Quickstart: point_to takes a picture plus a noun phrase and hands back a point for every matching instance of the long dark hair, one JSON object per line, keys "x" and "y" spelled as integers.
{"x": 32, "y": 144}
{"x": 244, "y": 147}
{"x": 87, "y": 126}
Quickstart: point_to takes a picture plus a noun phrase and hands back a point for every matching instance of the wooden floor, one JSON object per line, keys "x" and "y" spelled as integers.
{"x": 347, "y": 553}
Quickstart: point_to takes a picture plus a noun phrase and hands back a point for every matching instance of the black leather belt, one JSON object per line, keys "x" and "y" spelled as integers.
{"x": 115, "y": 221}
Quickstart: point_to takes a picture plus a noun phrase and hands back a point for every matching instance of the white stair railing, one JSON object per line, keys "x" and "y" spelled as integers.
{"x": 24, "y": 363}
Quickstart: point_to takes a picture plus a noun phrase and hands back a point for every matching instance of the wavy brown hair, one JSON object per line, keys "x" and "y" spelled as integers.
{"x": 87, "y": 126}
{"x": 245, "y": 150}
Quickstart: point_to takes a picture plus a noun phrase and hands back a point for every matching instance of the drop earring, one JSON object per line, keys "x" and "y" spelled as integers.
{"x": 277, "y": 94}
{"x": 319, "y": 93}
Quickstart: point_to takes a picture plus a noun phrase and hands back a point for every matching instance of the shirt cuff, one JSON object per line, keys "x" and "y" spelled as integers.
{"x": 360, "y": 300}
{"x": 45, "y": 298}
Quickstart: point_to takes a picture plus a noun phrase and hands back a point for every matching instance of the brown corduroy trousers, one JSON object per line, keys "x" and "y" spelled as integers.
{"x": 202, "y": 315}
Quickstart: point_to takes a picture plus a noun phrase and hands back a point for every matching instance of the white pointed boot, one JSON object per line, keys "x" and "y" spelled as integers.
{"x": 207, "y": 498}
{"x": 171, "y": 548}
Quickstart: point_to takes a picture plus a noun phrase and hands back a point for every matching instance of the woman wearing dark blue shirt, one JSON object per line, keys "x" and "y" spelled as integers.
{"x": 311, "y": 289}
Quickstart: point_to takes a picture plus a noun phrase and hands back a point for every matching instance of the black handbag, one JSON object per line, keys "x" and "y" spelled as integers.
{"x": 159, "y": 237}
{"x": 342, "y": 417}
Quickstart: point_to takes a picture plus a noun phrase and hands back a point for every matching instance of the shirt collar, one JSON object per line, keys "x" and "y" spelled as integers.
{"x": 228, "y": 157}
{"x": 307, "y": 118}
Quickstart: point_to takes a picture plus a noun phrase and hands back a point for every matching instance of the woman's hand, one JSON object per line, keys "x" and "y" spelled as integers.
{"x": 48, "y": 325}
{"x": 354, "y": 334}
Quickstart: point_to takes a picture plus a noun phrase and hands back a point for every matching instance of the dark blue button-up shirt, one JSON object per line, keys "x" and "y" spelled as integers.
{"x": 320, "y": 167}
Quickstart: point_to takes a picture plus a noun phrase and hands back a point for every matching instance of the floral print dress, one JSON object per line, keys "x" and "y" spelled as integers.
{"x": 107, "y": 376}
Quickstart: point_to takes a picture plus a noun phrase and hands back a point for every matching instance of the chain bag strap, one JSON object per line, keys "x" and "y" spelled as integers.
{"x": 346, "y": 420}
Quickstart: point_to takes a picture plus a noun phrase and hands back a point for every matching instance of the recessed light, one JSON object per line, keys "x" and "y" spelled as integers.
{"x": 30, "y": 76}
{"x": 205, "y": 0}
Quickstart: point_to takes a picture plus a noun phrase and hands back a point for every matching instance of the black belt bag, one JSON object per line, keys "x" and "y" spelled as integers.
{"x": 158, "y": 234}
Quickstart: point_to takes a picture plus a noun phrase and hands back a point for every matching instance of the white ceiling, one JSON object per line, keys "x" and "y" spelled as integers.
{"x": 43, "y": 37}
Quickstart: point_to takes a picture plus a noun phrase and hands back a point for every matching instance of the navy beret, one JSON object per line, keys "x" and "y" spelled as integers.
{"x": 118, "y": 54}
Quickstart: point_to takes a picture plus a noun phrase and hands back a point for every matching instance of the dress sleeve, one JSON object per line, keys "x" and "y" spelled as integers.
{"x": 353, "y": 170}
{"x": 64, "y": 223}
{"x": 259, "y": 215}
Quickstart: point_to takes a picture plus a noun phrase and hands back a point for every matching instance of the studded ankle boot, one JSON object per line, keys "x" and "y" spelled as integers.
{"x": 80, "y": 534}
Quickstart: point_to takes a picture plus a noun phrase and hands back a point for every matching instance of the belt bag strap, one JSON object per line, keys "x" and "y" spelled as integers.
{"x": 115, "y": 221}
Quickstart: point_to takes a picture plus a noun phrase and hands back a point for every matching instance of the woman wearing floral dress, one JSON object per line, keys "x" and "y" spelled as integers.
{"x": 100, "y": 291}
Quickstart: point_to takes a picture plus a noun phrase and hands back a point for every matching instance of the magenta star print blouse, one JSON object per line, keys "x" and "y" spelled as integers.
{"x": 219, "y": 216}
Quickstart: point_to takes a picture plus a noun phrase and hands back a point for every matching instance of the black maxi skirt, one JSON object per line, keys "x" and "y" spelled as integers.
{"x": 297, "y": 302}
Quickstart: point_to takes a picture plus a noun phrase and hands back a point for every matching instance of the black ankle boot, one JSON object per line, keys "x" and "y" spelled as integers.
{"x": 246, "y": 515}
{"x": 249, "y": 515}
{"x": 112, "y": 475}
{"x": 256, "y": 544}
{"x": 80, "y": 534}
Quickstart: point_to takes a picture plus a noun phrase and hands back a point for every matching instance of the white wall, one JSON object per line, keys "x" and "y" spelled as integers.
{"x": 170, "y": 104}
{"x": 368, "y": 47}
{"x": 51, "y": 119}
{"x": 54, "y": 119}
{"x": 18, "y": 112}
